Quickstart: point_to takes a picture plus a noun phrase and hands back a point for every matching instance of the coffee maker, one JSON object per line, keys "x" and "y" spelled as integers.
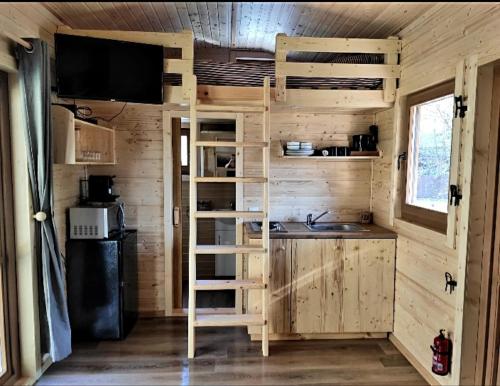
{"x": 100, "y": 189}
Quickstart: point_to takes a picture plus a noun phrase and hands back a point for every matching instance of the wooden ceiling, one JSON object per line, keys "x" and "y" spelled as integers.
{"x": 246, "y": 25}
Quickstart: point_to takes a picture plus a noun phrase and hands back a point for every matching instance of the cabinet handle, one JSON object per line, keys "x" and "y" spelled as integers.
{"x": 283, "y": 248}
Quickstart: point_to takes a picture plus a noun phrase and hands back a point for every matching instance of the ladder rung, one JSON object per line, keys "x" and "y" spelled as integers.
{"x": 227, "y": 249}
{"x": 229, "y": 214}
{"x": 212, "y": 285}
{"x": 231, "y": 108}
{"x": 229, "y": 320}
{"x": 230, "y": 144}
{"x": 247, "y": 180}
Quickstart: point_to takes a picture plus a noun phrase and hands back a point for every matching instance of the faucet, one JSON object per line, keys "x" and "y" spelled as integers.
{"x": 310, "y": 220}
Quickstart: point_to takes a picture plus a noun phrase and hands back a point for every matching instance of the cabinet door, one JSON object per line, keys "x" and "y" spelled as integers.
{"x": 368, "y": 293}
{"x": 279, "y": 286}
{"x": 316, "y": 298}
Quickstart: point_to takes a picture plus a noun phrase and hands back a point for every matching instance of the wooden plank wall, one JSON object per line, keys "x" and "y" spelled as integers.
{"x": 139, "y": 182}
{"x": 66, "y": 195}
{"x": 432, "y": 46}
{"x": 381, "y": 176}
{"x": 302, "y": 186}
{"x": 25, "y": 20}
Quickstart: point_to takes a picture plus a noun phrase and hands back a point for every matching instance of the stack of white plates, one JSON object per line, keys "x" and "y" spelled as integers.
{"x": 299, "y": 149}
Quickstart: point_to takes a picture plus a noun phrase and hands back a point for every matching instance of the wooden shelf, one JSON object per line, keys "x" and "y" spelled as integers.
{"x": 213, "y": 285}
{"x": 334, "y": 158}
{"x": 78, "y": 142}
{"x": 227, "y": 249}
{"x": 229, "y": 320}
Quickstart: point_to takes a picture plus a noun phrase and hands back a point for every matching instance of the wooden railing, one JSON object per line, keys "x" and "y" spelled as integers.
{"x": 389, "y": 71}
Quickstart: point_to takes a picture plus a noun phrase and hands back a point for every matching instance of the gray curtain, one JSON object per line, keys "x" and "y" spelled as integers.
{"x": 34, "y": 73}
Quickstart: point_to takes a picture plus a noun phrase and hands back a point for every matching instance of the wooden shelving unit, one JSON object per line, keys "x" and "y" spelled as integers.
{"x": 78, "y": 142}
{"x": 329, "y": 158}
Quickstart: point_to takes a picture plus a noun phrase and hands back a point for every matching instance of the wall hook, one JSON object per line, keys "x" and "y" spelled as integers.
{"x": 449, "y": 282}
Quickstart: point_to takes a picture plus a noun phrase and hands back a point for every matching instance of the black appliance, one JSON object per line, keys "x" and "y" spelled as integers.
{"x": 102, "y": 286}
{"x": 101, "y": 189}
{"x": 105, "y": 69}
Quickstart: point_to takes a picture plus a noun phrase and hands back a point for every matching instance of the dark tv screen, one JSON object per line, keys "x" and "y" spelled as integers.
{"x": 91, "y": 68}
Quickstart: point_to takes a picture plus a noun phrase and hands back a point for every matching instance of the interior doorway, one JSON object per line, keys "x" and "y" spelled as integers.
{"x": 214, "y": 162}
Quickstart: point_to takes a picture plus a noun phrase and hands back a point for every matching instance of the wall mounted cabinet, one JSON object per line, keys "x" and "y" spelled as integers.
{"x": 79, "y": 142}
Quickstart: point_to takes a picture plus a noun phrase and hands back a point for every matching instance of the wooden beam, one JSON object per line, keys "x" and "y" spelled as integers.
{"x": 178, "y": 66}
{"x": 389, "y": 85}
{"x": 172, "y": 40}
{"x": 337, "y": 70}
{"x": 338, "y": 45}
{"x": 368, "y": 99}
{"x": 280, "y": 57}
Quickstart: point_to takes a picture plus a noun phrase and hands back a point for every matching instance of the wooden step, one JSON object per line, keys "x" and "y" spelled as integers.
{"x": 228, "y": 320}
{"x": 213, "y": 285}
{"x": 231, "y": 144}
{"x": 229, "y": 214}
{"x": 247, "y": 180}
{"x": 227, "y": 249}
{"x": 231, "y": 108}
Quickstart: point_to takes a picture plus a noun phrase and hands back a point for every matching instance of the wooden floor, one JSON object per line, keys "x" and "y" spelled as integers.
{"x": 155, "y": 353}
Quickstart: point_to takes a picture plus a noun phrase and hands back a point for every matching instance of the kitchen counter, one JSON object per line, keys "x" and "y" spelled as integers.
{"x": 297, "y": 230}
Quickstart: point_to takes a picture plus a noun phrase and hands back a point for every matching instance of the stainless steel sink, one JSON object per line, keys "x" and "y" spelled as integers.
{"x": 335, "y": 227}
{"x": 274, "y": 227}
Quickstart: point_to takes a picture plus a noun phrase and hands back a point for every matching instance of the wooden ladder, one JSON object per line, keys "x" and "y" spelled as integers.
{"x": 225, "y": 320}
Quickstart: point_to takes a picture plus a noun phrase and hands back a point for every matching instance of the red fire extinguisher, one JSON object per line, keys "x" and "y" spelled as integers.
{"x": 441, "y": 354}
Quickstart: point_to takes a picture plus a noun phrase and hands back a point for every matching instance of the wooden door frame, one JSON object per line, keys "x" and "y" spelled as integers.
{"x": 171, "y": 278}
{"x": 479, "y": 310}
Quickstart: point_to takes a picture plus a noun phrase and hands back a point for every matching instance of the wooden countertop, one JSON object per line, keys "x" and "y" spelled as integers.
{"x": 297, "y": 230}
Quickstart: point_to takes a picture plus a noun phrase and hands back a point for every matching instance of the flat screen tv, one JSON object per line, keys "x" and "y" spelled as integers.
{"x": 91, "y": 68}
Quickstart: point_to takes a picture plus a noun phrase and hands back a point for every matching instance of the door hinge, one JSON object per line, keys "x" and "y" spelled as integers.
{"x": 402, "y": 157}
{"x": 460, "y": 107}
{"x": 455, "y": 195}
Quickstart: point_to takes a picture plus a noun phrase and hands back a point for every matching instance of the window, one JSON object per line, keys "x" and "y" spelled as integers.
{"x": 426, "y": 178}
{"x": 184, "y": 150}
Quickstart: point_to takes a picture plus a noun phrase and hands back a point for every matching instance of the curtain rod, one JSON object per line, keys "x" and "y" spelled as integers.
{"x": 18, "y": 40}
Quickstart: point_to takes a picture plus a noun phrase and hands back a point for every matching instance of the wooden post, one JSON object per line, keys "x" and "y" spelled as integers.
{"x": 265, "y": 221}
{"x": 193, "y": 172}
{"x": 280, "y": 57}
{"x": 389, "y": 85}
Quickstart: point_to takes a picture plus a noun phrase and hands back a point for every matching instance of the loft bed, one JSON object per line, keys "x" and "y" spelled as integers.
{"x": 252, "y": 74}
{"x": 357, "y": 74}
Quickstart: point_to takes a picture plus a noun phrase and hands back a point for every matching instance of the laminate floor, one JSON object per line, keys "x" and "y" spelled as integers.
{"x": 155, "y": 353}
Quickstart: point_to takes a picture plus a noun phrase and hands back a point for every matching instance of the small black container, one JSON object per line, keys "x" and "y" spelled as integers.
{"x": 343, "y": 151}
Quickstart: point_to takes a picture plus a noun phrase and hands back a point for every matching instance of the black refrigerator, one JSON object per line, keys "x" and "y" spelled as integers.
{"x": 102, "y": 286}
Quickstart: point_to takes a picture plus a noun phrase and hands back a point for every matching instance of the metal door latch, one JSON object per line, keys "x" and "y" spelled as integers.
{"x": 449, "y": 282}
{"x": 460, "y": 107}
{"x": 455, "y": 195}
{"x": 401, "y": 157}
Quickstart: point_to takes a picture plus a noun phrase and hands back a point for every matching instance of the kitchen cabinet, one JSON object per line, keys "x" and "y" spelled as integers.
{"x": 321, "y": 286}
{"x": 279, "y": 285}
{"x": 79, "y": 142}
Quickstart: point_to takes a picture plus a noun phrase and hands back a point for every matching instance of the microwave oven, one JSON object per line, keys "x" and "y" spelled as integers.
{"x": 96, "y": 222}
